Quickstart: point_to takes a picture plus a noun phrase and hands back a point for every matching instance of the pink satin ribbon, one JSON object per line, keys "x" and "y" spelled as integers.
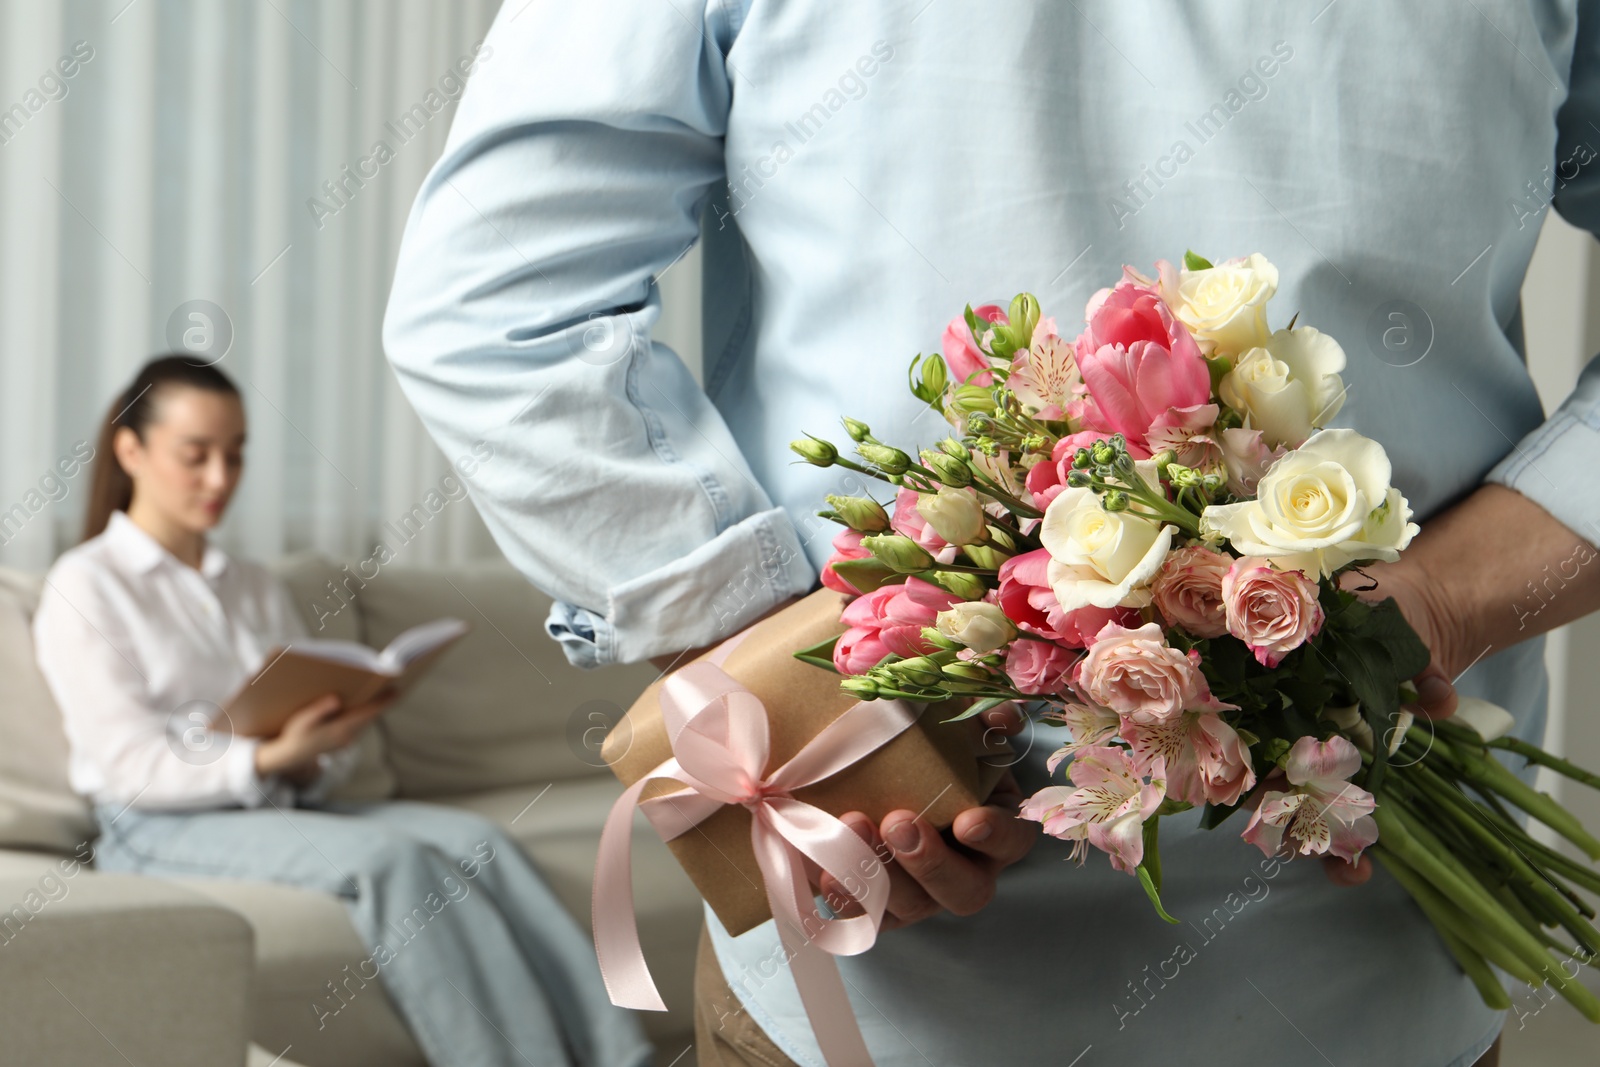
{"x": 718, "y": 733}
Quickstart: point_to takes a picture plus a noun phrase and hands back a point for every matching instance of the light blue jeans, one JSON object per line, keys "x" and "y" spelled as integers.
{"x": 449, "y": 906}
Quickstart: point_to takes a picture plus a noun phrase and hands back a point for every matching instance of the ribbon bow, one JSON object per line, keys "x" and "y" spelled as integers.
{"x": 718, "y": 733}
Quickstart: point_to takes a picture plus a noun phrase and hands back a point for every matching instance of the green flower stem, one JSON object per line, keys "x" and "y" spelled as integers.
{"x": 1535, "y": 754}
{"x": 1554, "y": 897}
{"x": 1486, "y": 772}
{"x": 988, "y": 486}
{"x": 1492, "y": 922}
{"x": 1459, "y": 935}
{"x": 1509, "y": 833}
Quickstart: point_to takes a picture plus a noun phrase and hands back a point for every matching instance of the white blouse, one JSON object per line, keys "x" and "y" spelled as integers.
{"x": 140, "y": 650}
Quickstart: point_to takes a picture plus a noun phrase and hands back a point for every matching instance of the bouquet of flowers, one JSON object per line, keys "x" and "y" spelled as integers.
{"x": 1144, "y": 529}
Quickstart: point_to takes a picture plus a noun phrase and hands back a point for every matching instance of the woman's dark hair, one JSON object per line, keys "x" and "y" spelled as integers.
{"x": 135, "y": 408}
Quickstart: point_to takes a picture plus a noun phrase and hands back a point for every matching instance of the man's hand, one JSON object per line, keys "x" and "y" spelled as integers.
{"x": 1493, "y": 570}
{"x": 928, "y": 873}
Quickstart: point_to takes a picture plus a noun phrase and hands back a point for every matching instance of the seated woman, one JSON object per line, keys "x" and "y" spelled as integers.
{"x": 146, "y": 627}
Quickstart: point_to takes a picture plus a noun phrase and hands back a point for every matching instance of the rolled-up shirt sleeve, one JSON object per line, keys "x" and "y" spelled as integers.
{"x": 1554, "y": 464}
{"x": 520, "y": 322}
{"x": 146, "y": 756}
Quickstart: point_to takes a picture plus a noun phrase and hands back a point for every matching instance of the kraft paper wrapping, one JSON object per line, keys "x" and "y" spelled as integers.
{"x": 939, "y": 769}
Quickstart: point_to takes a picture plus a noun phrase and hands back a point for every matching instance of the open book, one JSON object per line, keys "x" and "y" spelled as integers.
{"x": 293, "y": 676}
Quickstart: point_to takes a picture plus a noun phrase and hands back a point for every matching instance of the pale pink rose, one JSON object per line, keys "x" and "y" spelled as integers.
{"x": 1187, "y": 590}
{"x": 1139, "y": 676}
{"x": 966, "y": 361}
{"x": 846, "y": 545}
{"x": 1205, "y": 759}
{"x": 1039, "y": 668}
{"x": 1027, "y": 599}
{"x": 1324, "y": 812}
{"x": 888, "y": 620}
{"x": 1272, "y": 611}
{"x": 1107, "y": 809}
{"x": 1139, "y": 363}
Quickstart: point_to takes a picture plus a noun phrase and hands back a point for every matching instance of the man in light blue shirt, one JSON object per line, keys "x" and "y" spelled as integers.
{"x": 861, "y": 174}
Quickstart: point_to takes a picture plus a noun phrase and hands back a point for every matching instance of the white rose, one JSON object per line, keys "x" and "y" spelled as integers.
{"x": 981, "y": 626}
{"x": 1098, "y": 557}
{"x": 955, "y": 514}
{"x": 1289, "y": 387}
{"x": 1225, "y": 307}
{"x": 1326, "y": 504}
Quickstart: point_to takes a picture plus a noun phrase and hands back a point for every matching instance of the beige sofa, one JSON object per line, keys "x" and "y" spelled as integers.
{"x": 105, "y": 968}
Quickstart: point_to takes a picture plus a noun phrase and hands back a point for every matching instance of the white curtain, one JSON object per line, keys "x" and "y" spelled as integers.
{"x": 260, "y": 156}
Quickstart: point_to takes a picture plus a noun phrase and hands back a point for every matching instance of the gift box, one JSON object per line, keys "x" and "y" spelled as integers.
{"x": 933, "y": 767}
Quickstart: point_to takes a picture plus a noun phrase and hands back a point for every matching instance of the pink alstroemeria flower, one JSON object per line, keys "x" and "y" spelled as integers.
{"x": 1324, "y": 813}
{"x": 1087, "y": 724}
{"x": 1107, "y": 809}
{"x": 1204, "y": 758}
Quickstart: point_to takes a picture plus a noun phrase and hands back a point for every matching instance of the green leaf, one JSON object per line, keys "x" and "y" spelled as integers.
{"x": 1153, "y": 893}
{"x": 1214, "y": 815}
{"x": 978, "y": 708}
{"x": 1194, "y": 262}
{"x": 1387, "y": 625}
{"x": 819, "y": 654}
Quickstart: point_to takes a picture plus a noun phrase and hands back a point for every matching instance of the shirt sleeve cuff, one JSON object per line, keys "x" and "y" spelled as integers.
{"x": 1553, "y": 465}
{"x": 717, "y": 590}
{"x": 247, "y": 787}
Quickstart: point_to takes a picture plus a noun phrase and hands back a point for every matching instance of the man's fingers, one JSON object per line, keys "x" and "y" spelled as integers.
{"x": 950, "y": 879}
{"x": 1436, "y": 694}
{"x": 1341, "y": 873}
{"x": 1007, "y": 717}
{"x": 997, "y": 833}
{"x": 908, "y": 901}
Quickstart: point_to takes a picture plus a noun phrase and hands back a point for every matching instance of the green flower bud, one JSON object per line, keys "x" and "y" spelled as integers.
{"x": 979, "y": 424}
{"x": 1079, "y": 479}
{"x": 1023, "y": 317}
{"x": 932, "y": 635}
{"x": 860, "y": 688}
{"x": 858, "y": 430}
{"x": 815, "y": 451}
{"x": 949, "y": 470}
{"x": 969, "y": 672}
{"x": 986, "y": 556}
{"x": 1163, "y": 459}
{"x": 918, "y": 670}
{"x": 968, "y": 399}
{"x": 1082, "y": 460}
{"x": 955, "y": 449}
{"x": 898, "y": 552}
{"x": 885, "y": 458}
{"x": 1114, "y": 500}
{"x": 860, "y": 513}
{"x": 1103, "y": 453}
{"x": 865, "y": 574}
{"x": 962, "y": 584}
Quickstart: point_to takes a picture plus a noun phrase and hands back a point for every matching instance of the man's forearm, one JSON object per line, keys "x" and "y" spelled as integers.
{"x": 1502, "y": 570}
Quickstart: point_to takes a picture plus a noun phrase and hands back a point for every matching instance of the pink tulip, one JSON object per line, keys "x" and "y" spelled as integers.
{"x": 889, "y": 620}
{"x": 1139, "y": 362}
{"x": 1027, "y": 599}
{"x": 846, "y": 546}
{"x": 967, "y": 362}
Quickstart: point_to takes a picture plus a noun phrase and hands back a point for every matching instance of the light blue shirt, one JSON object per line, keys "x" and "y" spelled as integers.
{"x": 859, "y": 178}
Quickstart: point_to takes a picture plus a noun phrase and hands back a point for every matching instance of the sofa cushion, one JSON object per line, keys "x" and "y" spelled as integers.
{"x": 320, "y": 591}
{"x": 38, "y": 809}
{"x": 503, "y": 707}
